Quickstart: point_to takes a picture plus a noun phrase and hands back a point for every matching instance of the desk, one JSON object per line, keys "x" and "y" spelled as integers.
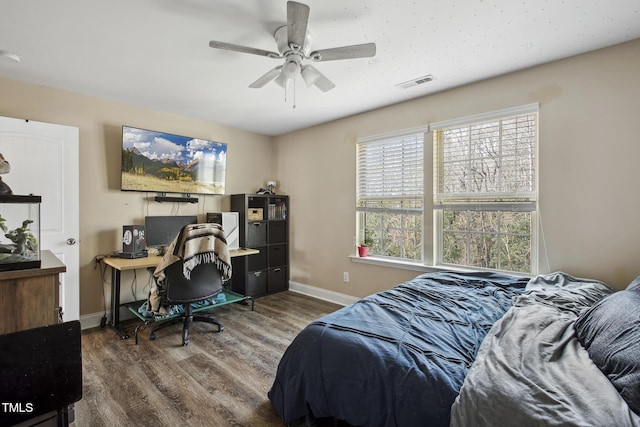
{"x": 118, "y": 265}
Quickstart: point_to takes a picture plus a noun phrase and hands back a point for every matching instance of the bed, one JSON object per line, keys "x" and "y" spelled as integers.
{"x": 566, "y": 354}
{"x": 469, "y": 349}
{"x": 395, "y": 358}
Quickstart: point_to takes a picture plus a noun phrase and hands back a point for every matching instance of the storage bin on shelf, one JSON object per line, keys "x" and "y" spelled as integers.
{"x": 255, "y": 214}
{"x": 20, "y": 235}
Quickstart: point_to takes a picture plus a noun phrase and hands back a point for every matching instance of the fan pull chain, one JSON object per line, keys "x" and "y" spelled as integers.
{"x": 286, "y": 86}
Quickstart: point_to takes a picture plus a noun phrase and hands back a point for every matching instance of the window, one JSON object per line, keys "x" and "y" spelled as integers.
{"x": 471, "y": 203}
{"x": 485, "y": 194}
{"x": 390, "y": 193}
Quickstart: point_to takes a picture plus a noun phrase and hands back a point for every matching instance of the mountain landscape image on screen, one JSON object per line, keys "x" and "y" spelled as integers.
{"x": 167, "y": 163}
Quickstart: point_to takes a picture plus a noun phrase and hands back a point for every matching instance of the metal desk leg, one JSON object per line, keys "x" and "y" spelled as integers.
{"x": 115, "y": 303}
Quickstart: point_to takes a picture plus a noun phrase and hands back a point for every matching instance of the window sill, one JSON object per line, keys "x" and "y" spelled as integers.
{"x": 416, "y": 266}
{"x": 390, "y": 262}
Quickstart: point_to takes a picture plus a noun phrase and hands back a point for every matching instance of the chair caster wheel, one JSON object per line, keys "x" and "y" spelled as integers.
{"x": 152, "y": 336}
{"x": 221, "y": 329}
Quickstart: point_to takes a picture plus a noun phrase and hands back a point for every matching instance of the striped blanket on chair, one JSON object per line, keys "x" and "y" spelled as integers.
{"x": 195, "y": 244}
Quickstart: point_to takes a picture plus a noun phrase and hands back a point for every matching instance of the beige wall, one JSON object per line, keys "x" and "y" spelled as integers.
{"x": 589, "y": 148}
{"x": 103, "y": 207}
{"x": 588, "y": 157}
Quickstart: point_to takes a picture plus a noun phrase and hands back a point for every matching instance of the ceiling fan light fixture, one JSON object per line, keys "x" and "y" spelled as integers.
{"x": 310, "y": 75}
{"x": 291, "y": 69}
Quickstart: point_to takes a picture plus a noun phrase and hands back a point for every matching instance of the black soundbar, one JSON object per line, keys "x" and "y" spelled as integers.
{"x": 176, "y": 199}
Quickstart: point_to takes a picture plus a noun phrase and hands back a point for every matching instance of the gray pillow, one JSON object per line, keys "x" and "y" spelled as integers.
{"x": 610, "y": 332}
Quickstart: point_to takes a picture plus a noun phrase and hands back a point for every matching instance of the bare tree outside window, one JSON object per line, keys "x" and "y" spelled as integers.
{"x": 487, "y": 192}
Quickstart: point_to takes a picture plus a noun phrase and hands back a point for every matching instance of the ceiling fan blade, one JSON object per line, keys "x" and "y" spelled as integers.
{"x": 270, "y": 75}
{"x": 324, "y": 84}
{"x": 297, "y": 20}
{"x": 317, "y": 78}
{"x": 237, "y": 48}
{"x": 365, "y": 50}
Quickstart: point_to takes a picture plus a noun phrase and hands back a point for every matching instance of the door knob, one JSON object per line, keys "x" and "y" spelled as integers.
{"x": 71, "y": 241}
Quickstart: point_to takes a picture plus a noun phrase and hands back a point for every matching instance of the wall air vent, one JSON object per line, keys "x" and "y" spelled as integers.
{"x": 415, "y": 82}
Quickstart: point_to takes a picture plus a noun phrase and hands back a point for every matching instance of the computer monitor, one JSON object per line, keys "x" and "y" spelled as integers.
{"x": 161, "y": 230}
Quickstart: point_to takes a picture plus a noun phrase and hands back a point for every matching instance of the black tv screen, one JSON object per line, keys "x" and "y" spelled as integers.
{"x": 165, "y": 163}
{"x": 161, "y": 230}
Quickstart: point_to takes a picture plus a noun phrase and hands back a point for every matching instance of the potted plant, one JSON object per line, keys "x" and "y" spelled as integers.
{"x": 363, "y": 248}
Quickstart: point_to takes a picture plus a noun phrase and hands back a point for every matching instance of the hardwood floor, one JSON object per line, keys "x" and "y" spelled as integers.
{"x": 219, "y": 379}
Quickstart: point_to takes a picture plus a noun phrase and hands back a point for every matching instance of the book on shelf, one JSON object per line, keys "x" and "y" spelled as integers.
{"x": 277, "y": 211}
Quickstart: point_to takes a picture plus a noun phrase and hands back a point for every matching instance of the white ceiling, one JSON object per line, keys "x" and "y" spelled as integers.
{"x": 155, "y": 53}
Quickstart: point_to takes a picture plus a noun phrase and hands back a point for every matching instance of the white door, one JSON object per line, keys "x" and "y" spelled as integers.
{"x": 44, "y": 162}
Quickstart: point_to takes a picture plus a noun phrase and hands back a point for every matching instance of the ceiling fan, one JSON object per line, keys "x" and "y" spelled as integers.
{"x": 293, "y": 41}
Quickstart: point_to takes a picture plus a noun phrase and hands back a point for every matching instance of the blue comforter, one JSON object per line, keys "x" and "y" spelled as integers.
{"x": 395, "y": 358}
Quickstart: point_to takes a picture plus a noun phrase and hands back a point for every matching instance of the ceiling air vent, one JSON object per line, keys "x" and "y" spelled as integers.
{"x": 415, "y": 82}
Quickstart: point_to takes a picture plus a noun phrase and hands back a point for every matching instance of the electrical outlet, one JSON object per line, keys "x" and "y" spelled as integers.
{"x": 345, "y": 276}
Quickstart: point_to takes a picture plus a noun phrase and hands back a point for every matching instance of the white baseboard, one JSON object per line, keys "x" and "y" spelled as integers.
{"x": 323, "y": 294}
{"x": 93, "y": 320}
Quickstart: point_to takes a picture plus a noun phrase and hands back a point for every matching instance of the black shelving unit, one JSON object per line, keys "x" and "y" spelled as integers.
{"x": 264, "y": 225}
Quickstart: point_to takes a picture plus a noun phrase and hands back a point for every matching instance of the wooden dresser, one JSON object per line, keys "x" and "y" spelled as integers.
{"x": 30, "y": 298}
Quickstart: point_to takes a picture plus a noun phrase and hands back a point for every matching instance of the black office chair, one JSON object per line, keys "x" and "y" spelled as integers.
{"x": 205, "y": 282}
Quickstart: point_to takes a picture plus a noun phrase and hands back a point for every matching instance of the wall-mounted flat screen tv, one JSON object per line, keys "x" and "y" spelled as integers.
{"x": 165, "y": 163}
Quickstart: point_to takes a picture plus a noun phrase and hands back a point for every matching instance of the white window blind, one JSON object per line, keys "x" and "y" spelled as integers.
{"x": 481, "y": 165}
{"x": 389, "y": 171}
